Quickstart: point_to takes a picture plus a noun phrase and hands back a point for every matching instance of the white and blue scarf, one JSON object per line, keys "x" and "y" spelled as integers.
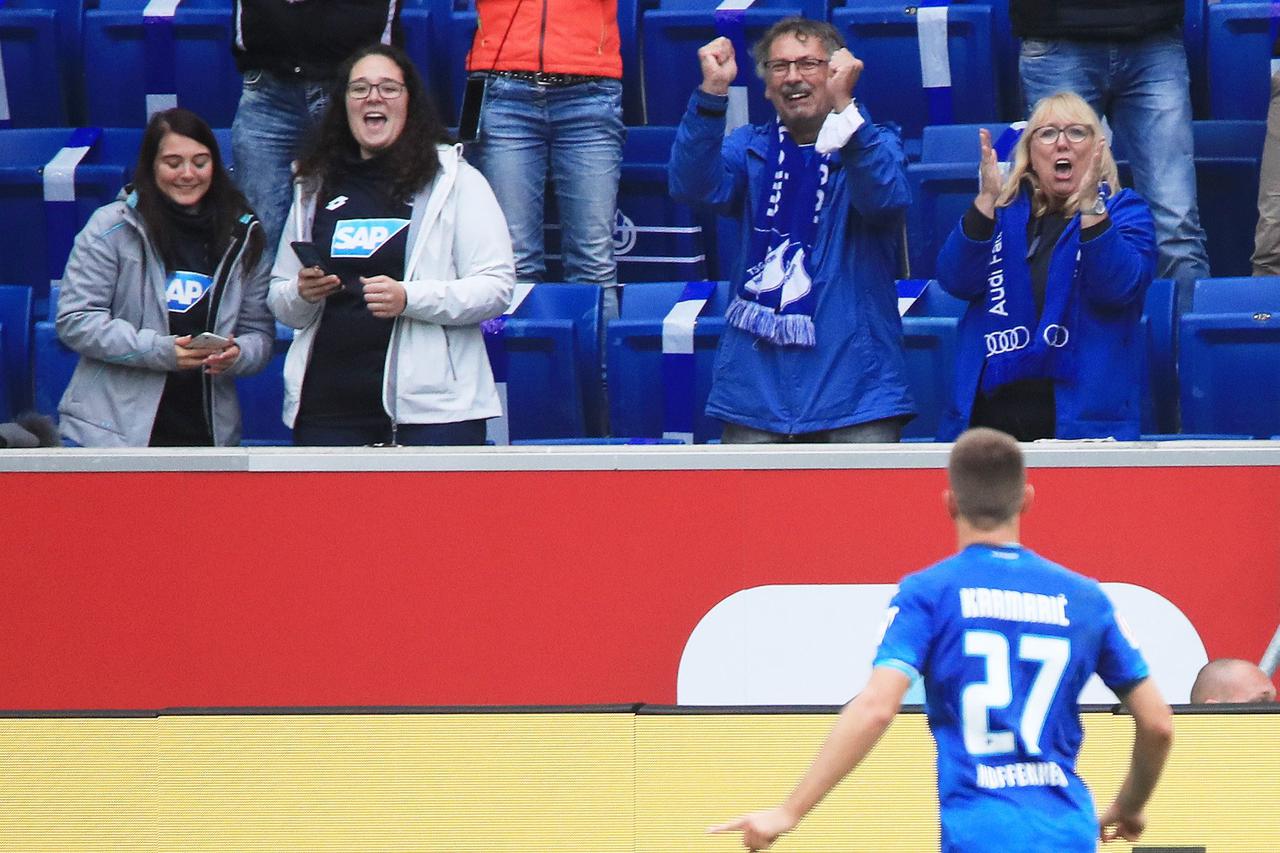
{"x": 776, "y": 301}
{"x": 1017, "y": 346}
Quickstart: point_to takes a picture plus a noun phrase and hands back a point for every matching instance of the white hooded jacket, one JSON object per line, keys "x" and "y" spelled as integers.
{"x": 458, "y": 271}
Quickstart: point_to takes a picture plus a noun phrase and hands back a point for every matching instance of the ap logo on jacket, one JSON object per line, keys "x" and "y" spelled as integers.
{"x": 185, "y": 289}
{"x": 360, "y": 238}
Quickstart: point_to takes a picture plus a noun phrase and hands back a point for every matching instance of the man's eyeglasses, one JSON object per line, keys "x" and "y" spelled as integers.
{"x": 1048, "y": 134}
{"x": 388, "y": 89}
{"x": 805, "y": 65}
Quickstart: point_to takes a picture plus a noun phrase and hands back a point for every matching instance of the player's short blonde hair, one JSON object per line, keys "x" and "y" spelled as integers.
{"x": 987, "y": 477}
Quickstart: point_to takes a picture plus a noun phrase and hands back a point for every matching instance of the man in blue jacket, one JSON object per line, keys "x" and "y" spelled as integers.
{"x": 813, "y": 348}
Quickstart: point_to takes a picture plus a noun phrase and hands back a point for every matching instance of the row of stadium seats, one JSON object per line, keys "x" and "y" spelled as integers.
{"x": 105, "y": 62}
{"x": 52, "y": 179}
{"x": 546, "y": 355}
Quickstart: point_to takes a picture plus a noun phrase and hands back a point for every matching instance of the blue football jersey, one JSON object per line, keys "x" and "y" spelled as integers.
{"x": 1005, "y": 641}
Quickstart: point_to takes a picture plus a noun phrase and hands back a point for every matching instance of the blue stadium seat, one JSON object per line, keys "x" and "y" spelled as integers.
{"x": 130, "y": 60}
{"x": 1228, "y": 157}
{"x": 884, "y": 36}
{"x": 262, "y": 398}
{"x": 54, "y": 364}
{"x": 940, "y": 194}
{"x": 425, "y": 24}
{"x": 943, "y": 185}
{"x": 34, "y": 94}
{"x": 437, "y": 36}
{"x": 672, "y": 34}
{"x": 634, "y": 342}
{"x": 654, "y": 237}
{"x": 1229, "y": 356}
{"x": 1160, "y": 391}
{"x": 24, "y": 154}
{"x": 43, "y": 230}
{"x": 1239, "y": 53}
{"x": 15, "y": 349}
{"x": 929, "y": 344}
{"x": 552, "y": 344}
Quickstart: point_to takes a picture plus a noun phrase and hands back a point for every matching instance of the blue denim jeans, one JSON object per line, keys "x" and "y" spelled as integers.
{"x": 274, "y": 117}
{"x": 1143, "y": 89}
{"x": 572, "y": 135}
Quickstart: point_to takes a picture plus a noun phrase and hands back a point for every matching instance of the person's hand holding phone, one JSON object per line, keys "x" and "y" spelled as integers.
{"x": 314, "y": 283}
{"x": 188, "y": 358}
{"x": 213, "y": 353}
{"x": 219, "y": 361}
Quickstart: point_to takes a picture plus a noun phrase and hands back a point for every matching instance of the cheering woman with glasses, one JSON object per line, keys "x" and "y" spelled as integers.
{"x": 1054, "y": 261}
{"x": 404, "y": 252}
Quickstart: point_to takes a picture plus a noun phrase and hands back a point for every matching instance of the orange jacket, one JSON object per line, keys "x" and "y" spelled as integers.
{"x": 559, "y": 36}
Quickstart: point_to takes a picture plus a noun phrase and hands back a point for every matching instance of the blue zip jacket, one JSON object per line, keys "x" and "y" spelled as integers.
{"x": 1115, "y": 269}
{"x": 856, "y": 372}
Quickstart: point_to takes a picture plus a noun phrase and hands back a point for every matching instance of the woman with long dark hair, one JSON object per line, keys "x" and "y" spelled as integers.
{"x": 164, "y": 298}
{"x": 408, "y": 253}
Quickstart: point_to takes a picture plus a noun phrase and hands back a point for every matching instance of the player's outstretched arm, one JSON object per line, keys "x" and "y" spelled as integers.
{"x": 1153, "y": 737}
{"x": 856, "y": 731}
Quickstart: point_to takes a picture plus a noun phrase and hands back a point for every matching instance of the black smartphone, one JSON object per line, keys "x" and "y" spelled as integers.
{"x": 472, "y": 102}
{"x": 308, "y": 254}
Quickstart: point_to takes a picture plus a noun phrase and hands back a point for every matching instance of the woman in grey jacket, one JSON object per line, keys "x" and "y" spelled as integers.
{"x": 164, "y": 298}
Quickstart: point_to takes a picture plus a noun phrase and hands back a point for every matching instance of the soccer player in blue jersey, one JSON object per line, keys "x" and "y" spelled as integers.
{"x": 1005, "y": 641}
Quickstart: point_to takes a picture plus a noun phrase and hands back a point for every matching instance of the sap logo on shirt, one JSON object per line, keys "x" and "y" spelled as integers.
{"x": 185, "y": 289}
{"x": 360, "y": 238}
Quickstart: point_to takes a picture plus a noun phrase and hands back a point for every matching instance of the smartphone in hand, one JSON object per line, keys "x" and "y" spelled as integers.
{"x": 308, "y": 254}
{"x": 209, "y": 341}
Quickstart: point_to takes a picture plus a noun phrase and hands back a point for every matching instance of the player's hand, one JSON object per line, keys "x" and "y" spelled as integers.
{"x": 719, "y": 67}
{"x": 845, "y": 70}
{"x": 1117, "y": 823}
{"x": 759, "y": 829}
{"x": 314, "y": 285}
{"x": 990, "y": 181}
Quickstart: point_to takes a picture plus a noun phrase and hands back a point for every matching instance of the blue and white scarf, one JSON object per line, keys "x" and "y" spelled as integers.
{"x": 1017, "y": 346}
{"x": 776, "y": 301}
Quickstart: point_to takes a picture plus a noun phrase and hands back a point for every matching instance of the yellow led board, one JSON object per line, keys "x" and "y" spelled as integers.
{"x": 552, "y": 781}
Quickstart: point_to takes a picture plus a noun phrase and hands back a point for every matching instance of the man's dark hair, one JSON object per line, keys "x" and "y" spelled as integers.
{"x": 803, "y": 29}
{"x": 411, "y": 160}
{"x": 987, "y": 477}
{"x": 223, "y": 197}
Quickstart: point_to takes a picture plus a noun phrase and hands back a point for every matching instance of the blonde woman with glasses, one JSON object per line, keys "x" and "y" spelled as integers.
{"x": 1054, "y": 260}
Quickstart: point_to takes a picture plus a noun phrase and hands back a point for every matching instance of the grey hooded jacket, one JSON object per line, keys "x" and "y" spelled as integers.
{"x": 112, "y": 310}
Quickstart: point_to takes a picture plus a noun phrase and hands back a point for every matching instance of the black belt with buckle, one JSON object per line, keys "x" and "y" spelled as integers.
{"x": 547, "y": 78}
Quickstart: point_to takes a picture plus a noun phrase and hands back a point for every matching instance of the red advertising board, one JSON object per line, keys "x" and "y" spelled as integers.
{"x": 372, "y": 588}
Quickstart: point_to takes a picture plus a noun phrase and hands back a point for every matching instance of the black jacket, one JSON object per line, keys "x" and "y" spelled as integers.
{"x": 1094, "y": 20}
{"x": 309, "y": 38}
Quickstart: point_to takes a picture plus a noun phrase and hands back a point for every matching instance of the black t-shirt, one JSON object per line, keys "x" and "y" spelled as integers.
{"x": 360, "y": 230}
{"x": 182, "y": 419}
